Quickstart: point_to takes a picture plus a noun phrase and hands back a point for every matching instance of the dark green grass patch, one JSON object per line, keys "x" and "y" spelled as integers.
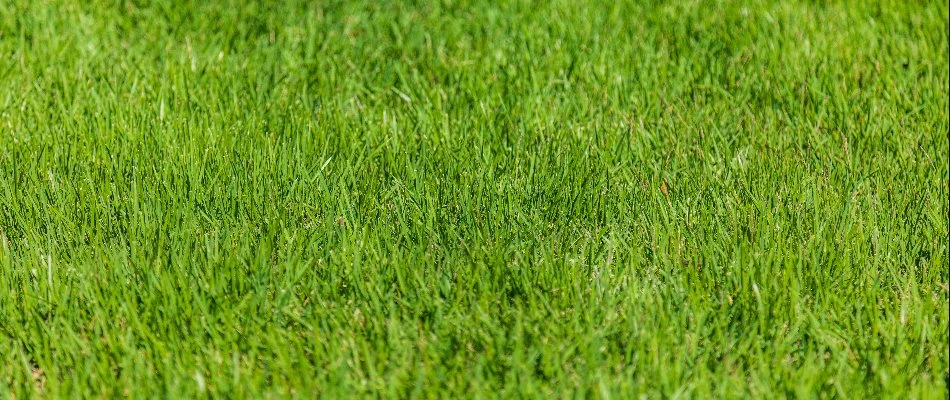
{"x": 473, "y": 199}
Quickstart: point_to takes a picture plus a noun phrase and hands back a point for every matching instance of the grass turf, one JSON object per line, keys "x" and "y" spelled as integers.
{"x": 469, "y": 198}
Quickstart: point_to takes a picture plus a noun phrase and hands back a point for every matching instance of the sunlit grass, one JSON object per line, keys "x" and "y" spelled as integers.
{"x": 473, "y": 199}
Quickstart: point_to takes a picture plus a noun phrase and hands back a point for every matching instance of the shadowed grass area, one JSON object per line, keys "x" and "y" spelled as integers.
{"x": 441, "y": 199}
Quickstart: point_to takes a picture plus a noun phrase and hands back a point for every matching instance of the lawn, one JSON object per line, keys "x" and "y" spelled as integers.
{"x": 474, "y": 199}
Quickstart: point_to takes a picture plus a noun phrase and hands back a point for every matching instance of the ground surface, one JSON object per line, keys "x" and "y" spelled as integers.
{"x": 437, "y": 199}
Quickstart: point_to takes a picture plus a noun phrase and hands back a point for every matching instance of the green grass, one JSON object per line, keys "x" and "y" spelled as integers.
{"x": 473, "y": 199}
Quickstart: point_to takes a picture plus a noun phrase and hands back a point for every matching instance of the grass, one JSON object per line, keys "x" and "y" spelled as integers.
{"x": 441, "y": 199}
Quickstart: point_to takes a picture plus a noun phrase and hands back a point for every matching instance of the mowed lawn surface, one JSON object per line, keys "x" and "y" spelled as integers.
{"x": 443, "y": 199}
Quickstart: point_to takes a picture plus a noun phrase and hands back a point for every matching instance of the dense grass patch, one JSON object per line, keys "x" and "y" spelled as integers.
{"x": 470, "y": 198}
